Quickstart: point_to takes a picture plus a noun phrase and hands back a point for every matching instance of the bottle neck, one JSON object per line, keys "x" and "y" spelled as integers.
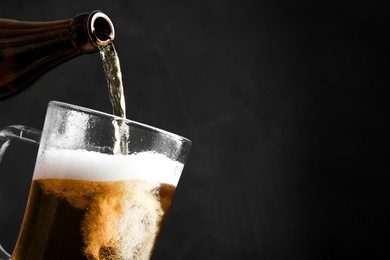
{"x": 89, "y": 32}
{"x": 30, "y": 49}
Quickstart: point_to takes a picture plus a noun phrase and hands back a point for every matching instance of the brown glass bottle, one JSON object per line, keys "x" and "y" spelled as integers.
{"x": 30, "y": 49}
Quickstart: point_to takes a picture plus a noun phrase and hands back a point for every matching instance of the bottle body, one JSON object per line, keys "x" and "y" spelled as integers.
{"x": 30, "y": 49}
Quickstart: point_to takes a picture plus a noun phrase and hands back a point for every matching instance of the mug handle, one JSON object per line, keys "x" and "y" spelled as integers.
{"x": 7, "y": 134}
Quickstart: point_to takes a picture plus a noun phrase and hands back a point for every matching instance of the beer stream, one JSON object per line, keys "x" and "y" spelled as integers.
{"x": 111, "y": 66}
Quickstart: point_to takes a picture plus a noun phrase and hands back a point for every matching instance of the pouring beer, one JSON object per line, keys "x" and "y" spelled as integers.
{"x": 102, "y": 184}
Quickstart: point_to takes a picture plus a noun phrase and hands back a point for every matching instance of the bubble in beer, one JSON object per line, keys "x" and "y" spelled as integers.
{"x": 122, "y": 210}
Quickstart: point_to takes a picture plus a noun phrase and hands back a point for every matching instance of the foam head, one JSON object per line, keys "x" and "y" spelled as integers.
{"x": 94, "y": 166}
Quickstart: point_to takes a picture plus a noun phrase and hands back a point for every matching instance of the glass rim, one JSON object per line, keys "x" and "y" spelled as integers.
{"x": 114, "y": 117}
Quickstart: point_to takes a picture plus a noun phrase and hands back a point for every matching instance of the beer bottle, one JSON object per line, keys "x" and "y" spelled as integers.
{"x": 30, "y": 49}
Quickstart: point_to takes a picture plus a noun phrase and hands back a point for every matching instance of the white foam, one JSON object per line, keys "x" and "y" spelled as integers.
{"x": 93, "y": 166}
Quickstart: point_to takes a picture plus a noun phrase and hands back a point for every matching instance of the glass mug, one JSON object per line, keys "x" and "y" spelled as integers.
{"x": 86, "y": 200}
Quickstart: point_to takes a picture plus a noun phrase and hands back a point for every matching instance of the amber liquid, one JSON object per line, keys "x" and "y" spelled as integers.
{"x": 73, "y": 219}
{"x": 113, "y": 73}
{"x": 112, "y": 69}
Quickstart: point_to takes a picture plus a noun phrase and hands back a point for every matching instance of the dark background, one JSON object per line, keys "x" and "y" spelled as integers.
{"x": 284, "y": 102}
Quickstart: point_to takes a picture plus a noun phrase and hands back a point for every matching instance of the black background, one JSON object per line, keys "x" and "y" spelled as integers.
{"x": 284, "y": 102}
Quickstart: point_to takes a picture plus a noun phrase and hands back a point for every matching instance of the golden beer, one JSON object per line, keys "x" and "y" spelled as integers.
{"x": 88, "y": 199}
{"x": 107, "y": 209}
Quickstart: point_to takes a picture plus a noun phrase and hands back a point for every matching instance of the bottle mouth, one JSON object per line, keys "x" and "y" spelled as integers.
{"x": 101, "y": 28}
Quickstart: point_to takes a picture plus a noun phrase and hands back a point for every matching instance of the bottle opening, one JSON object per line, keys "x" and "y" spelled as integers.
{"x": 101, "y": 28}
